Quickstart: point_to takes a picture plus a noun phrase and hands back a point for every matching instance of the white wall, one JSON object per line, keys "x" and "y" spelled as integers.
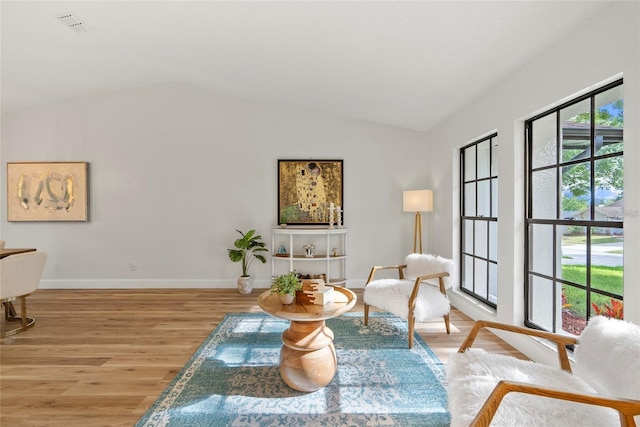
{"x": 605, "y": 48}
{"x": 175, "y": 170}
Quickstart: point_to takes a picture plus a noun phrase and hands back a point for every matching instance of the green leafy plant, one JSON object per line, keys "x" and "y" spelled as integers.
{"x": 286, "y": 284}
{"x": 248, "y": 249}
{"x": 615, "y": 310}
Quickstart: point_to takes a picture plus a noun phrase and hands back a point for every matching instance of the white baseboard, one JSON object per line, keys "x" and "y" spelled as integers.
{"x": 157, "y": 284}
{"x": 143, "y": 284}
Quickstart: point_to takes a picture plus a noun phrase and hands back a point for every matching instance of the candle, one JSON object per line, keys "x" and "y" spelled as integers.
{"x": 331, "y": 205}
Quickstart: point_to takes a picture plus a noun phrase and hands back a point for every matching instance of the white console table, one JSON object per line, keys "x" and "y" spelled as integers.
{"x": 325, "y": 261}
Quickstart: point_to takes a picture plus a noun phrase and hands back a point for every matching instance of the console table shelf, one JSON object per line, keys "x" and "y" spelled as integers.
{"x": 334, "y": 268}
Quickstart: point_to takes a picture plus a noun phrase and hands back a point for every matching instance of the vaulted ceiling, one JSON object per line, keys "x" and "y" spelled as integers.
{"x": 407, "y": 64}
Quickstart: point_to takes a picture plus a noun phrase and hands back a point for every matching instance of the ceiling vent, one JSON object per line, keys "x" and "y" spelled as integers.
{"x": 73, "y": 23}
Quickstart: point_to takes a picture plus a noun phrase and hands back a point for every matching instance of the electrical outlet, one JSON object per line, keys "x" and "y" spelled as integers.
{"x": 57, "y": 266}
{"x": 133, "y": 266}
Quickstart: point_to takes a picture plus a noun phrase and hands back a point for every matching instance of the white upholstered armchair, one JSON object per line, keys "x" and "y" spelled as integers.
{"x": 19, "y": 277}
{"x": 419, "y": 293}
{"x": 599, "y": 387}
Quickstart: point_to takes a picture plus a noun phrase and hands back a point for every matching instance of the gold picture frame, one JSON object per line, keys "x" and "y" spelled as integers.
{"x": 47, "y": 191}
{"x": 306, "y": 189}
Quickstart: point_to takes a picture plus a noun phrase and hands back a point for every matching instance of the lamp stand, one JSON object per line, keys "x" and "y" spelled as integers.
{"x": 417, "y": 232}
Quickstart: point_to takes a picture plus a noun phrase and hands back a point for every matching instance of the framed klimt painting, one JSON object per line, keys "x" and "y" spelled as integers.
{"x": 307, "y": 189}
{"x": 47, "y": 191}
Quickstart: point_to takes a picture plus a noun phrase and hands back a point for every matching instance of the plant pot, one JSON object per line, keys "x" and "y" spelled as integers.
{"x": 245, "y": 284}
{"x": 287, "y": 298}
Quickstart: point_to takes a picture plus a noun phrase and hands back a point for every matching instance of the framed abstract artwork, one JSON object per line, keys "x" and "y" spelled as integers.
{"x": 306, "y": 190}
{"x": 47, "y": 191}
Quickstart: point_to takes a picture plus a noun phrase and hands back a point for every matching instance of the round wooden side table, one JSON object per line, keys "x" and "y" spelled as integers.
{"x": 308, "y": 359}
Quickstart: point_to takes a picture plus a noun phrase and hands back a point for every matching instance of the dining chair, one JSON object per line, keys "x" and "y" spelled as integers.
{"x": 19, "y": 277}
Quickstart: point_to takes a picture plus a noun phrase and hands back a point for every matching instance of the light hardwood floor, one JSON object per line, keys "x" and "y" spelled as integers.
{"x": 102, "y": 357}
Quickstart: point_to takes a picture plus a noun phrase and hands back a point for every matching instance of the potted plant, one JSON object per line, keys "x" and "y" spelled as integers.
{"x": 248, "y": 248}
{"x": 286, "y": 286}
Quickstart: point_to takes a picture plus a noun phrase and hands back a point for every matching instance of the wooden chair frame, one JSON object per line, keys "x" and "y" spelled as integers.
{"x": 411, "y": 320}
{"x": 627, "y": 408}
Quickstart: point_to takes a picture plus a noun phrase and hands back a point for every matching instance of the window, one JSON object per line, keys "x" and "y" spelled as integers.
{"x": 479, "y": 219}
{"x": 574, "y": 213}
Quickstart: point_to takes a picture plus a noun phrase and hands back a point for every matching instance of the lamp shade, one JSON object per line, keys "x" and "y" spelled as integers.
{"x": 417, "y": 201}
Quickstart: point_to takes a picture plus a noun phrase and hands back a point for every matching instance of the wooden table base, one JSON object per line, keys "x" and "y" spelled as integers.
{"x": 308, "y": 359}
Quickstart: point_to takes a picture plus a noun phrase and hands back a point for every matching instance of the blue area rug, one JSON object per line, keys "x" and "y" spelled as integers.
{"x": 233, "y": 379}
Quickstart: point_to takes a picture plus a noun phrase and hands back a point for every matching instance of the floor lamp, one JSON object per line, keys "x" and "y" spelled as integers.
{"x": 417, "y": 201}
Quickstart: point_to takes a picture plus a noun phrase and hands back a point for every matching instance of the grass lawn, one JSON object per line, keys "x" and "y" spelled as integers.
{"x": 603, "y": 278}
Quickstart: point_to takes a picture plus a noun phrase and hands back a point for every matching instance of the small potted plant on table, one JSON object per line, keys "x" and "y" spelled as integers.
{"x": 286, "y": 286}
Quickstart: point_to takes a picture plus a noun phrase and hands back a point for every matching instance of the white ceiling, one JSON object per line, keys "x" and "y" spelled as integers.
{"x": 407, "y": 64}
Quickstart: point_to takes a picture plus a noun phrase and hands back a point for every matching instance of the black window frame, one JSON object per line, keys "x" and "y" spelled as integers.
{"x": 563, "y": 222}
{"x": 493, "y": 217}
